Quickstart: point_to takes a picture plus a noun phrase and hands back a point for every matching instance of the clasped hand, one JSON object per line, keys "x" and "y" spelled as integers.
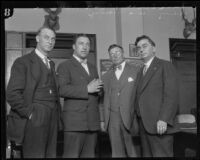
{"x": 94, "y": 86}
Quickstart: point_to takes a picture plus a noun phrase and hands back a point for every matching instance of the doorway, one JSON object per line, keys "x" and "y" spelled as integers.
{"x": 183, "y": 56}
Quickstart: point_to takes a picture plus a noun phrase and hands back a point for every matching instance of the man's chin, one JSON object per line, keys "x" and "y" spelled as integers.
{"x": 84, "y": 56}
{"x": 49, "y": 50}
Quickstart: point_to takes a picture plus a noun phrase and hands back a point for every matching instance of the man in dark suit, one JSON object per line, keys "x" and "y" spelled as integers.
{"x": 156, "y": 101}
{"x": 33, "y": 96}
{"x": 119, "y": 86}
{"x": 79, "y": 86}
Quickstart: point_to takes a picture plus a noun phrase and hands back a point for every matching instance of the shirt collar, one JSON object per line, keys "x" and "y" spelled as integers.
{"x": 79, "y": 59}
{"x": 149, "y": 62}
{"x": 123, "y": 64}
{"x": 42, "y": 56}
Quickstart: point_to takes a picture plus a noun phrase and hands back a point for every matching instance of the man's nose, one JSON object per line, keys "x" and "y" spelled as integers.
{"x": 85, "y": 47}
{"x": 50, "y": 41}
{"x": 115, "y": 55}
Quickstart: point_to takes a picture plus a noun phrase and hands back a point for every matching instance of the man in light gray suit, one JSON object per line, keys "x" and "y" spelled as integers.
{"x": 119, "y": 87}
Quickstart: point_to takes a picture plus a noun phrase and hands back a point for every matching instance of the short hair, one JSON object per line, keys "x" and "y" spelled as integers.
{"x": 113, "y": 46}
{"x": 145, "y": 37}
{"x": 45, "y": 27}
{"x": 80, "y": 35}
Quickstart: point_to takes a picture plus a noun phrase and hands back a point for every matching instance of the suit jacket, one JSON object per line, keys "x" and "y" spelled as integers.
{"x": 157, "y": 95}
{"x": 80, "y": 110}
{"x": 25, "y": 75}
{"x": 127, "y": 90}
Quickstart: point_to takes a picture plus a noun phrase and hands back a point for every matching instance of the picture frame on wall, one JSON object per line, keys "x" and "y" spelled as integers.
{"x": 105, "y": 65}
{"x": 133, "y": 51}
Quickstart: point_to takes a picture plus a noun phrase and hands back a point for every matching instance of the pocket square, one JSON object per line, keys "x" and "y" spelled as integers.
{"x": 130, "y": 79}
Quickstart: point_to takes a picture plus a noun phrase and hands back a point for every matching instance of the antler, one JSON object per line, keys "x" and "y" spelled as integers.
{"x": 189, "y": 27}
{"x": 52, "y": 12}
{"x": 183, "y": 16}
{"x": 58, "y": 10}
{"x": 194, "y": 20}
{"x": 48, "y": 10}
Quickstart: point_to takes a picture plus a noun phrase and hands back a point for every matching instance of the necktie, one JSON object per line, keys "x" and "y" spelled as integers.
{"x": 52, "y": 65}
{"x": 46, "y": 62}
{"x": 144, "y": 70}
{"x": 84, "y": 61}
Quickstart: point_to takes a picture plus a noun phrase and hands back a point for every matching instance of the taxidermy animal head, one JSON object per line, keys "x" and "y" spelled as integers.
{"x": 52, "y": 19}
{"x": 190, "y": 27}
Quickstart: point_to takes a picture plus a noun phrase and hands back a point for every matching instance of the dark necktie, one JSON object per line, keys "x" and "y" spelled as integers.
{"x": 145, "y": 69}
{"x": 84, "y": 61}
{"x": 46, "y": 62}
{"x": 52, "y": 68}
{"x": 52, "y": 65}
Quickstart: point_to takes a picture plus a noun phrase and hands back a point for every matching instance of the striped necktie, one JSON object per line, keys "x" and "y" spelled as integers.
{"x": 46, "y": 61}
{"x": 145, "y": 69}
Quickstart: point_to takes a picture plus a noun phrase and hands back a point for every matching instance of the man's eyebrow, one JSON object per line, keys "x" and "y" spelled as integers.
{"x": 144, "y": 44}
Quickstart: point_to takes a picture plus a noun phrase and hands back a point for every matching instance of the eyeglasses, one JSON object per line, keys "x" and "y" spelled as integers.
{"x": 143, "y": 47}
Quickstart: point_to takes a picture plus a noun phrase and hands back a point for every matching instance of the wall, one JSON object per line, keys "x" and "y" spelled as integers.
{"x": 99, "y": 21}
{"x": 159, "y": 23}
{"x": 164, "y": 23}
{"x": 132, "y": 26}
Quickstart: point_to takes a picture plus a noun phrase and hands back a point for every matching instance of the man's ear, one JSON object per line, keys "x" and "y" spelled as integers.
{"x": 37, "y": 39}
{"x": 154, "y": 49}
{"x": 73, "y": 46}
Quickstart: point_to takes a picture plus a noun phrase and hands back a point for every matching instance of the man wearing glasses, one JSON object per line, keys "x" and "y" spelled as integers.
{"x": 156, "y": 101}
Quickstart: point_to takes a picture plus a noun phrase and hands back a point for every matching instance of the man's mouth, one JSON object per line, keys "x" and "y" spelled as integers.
{"x": 48, "y": 46}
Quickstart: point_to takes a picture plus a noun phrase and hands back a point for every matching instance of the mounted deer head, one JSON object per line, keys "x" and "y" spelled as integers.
{"x": 190, "y": 27}
{"x": 52, "y": 20}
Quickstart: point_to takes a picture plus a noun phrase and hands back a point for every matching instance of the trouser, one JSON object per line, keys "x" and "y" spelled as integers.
{"x": 79, "y": 144}
{"x": 40, "y": 139}
{"x": 154, "y": 145}
{"x": 120, "y": 137}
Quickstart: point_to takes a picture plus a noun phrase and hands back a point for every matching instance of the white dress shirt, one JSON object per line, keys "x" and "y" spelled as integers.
{"x": 83, "y": 63}
{"x": 147, "y": 64}
{"x": 118, "y": 71}
{"x": 43, "y": 57}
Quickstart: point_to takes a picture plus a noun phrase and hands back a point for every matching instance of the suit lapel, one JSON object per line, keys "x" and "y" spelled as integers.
{"x": 91, "y": 70}
{"x": 150, "y": 72}
{"x": 111, "y": 78}
{"x": 80, "y": 68}
{"x": 35, "y": 66}
{"x": 139, "y": 79}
